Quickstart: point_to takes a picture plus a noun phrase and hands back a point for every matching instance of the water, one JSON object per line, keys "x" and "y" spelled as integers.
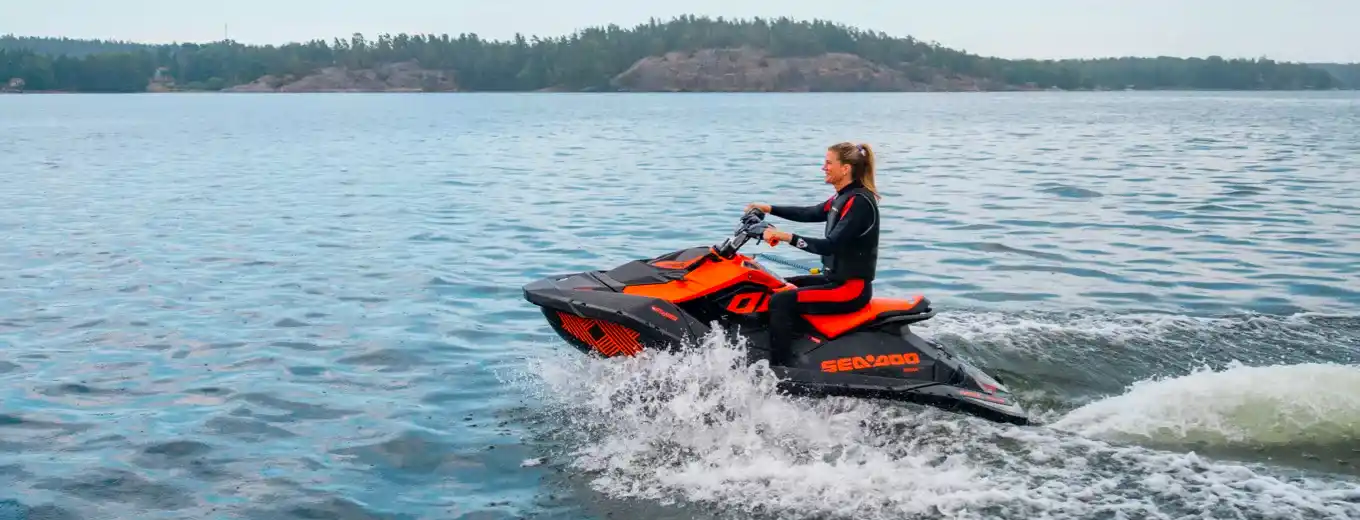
{"x": 308, "y": 306}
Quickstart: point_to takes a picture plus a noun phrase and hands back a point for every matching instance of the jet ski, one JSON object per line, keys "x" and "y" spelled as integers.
{"x": 675, "y": 299}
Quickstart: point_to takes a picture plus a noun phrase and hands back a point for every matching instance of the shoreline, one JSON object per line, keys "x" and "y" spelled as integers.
{"x": 569, "y": 92}
{"x": 687, "y": 54}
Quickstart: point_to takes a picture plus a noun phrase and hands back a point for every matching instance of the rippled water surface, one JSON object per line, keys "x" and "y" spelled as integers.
{"x": 309, "y": 306}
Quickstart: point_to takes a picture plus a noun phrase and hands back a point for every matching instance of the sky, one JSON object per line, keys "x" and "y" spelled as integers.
{"x": 1285, "y": 30}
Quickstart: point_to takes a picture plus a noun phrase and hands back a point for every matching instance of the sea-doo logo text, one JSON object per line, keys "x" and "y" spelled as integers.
{"x": 846, "y": 364}
{"x": 666, "y": 314}
{"x": 975, "y": 395}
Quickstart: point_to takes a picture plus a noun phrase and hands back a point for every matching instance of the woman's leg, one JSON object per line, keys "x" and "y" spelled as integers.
{"x": 834, "y": 298}
{"x": 827, "y": 298}
{"x": 808, "y": 280}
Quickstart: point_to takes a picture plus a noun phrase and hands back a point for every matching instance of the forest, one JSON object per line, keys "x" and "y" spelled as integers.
{"x": 589, "y": 58}
{"x": 1347, "y": 73}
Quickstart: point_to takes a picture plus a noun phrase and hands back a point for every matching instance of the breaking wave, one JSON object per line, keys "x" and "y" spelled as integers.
{"x": 1310, "y": 406}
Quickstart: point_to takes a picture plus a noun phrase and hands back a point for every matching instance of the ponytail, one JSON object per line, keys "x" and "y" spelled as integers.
{"x": 866, "y": 176}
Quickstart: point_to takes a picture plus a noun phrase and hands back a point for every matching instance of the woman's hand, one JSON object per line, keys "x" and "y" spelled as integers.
{"x": 765, "y": 208}
{"x": 774, "y": 236}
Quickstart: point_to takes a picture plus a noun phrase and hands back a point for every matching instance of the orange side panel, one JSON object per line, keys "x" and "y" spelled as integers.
{"x": 606, "y": 337}
{"x": 833, "y": 325}
{"x": 707, "y": 279}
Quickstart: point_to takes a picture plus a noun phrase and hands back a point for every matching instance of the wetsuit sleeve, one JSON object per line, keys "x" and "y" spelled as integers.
{"x": 814, "y": 213}
{"x": 855, "y": 220}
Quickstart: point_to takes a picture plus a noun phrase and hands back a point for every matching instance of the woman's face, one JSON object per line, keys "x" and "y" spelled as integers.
{"x": 835, "y": 170}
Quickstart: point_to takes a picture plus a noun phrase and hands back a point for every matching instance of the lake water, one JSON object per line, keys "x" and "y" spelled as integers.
{"x": 309, "y": 306}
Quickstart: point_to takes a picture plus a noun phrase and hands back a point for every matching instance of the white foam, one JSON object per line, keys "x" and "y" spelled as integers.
{"x": 1314, "y": 404}
{"x": 702, "y": 426}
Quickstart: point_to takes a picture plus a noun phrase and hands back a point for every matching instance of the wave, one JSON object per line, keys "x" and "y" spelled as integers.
{"x": 1303, "y": 407}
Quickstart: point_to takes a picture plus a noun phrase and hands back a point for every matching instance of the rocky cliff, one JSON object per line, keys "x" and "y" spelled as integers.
{"x": 754, "y": 70}
{"x": 710, "y": 70}
{"x": 391, "y": 77}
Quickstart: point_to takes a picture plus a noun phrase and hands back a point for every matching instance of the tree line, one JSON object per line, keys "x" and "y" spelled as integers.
{"x": 590, "y": 58}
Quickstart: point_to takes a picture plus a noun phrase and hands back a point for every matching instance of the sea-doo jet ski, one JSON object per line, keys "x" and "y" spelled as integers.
{"x": 670, "y": 301}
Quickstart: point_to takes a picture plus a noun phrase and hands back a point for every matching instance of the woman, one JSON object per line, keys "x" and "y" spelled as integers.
{"x": 849, "y": 251}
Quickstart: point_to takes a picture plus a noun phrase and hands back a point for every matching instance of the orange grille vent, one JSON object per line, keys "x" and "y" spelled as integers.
{"x": 608, "y": 338}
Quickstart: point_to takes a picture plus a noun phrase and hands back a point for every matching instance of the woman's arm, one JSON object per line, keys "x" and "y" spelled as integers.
{"x": 856, "y": 220}
{"x": 814, "y": 213}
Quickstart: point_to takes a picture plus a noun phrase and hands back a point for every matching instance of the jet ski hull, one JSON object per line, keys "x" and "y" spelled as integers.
{"x": 895, "y": 363}
{"x": 586, "y": 312}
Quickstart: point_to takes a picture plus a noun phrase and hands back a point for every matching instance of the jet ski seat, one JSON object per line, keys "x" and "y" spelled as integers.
{"x": 878, "y": 311}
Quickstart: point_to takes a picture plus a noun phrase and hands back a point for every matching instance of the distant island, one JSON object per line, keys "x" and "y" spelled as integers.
{"x": 685, "y": 54}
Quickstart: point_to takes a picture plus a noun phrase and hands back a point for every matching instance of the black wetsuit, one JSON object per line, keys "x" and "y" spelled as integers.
{"x": 849, "y": 259}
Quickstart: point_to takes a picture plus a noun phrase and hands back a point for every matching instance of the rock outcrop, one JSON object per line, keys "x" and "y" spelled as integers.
{"x": 754, "y": 70}
{"x": 710, "y": 70}
{"x": 391, "y": 77}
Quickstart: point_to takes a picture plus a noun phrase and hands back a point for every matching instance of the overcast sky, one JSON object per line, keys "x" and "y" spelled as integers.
{"x": 1292, "y": 30}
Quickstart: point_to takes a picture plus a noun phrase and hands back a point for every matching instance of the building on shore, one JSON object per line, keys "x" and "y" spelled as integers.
{"x": 161, "y": 81}
{"x": 14, "y": 86}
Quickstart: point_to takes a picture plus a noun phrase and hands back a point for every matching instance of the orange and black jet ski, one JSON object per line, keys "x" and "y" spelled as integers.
{"x": 674, "y": 299}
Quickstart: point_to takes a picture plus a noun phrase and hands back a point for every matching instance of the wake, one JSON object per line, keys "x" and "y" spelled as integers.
{"x": 702, "y": 427}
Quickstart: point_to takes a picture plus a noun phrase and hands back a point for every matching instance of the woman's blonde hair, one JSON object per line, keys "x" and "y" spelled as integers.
{"x": 860, "y": 157}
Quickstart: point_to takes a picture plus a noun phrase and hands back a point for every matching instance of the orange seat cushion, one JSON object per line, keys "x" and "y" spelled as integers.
{"x": 833, "y": 325}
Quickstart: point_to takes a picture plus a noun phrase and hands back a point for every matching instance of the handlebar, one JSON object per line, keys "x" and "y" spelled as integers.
{"x": 752, "y": 225}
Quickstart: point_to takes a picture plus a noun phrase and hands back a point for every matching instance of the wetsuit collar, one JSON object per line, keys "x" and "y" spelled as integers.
{"x": 848, "y": 187}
